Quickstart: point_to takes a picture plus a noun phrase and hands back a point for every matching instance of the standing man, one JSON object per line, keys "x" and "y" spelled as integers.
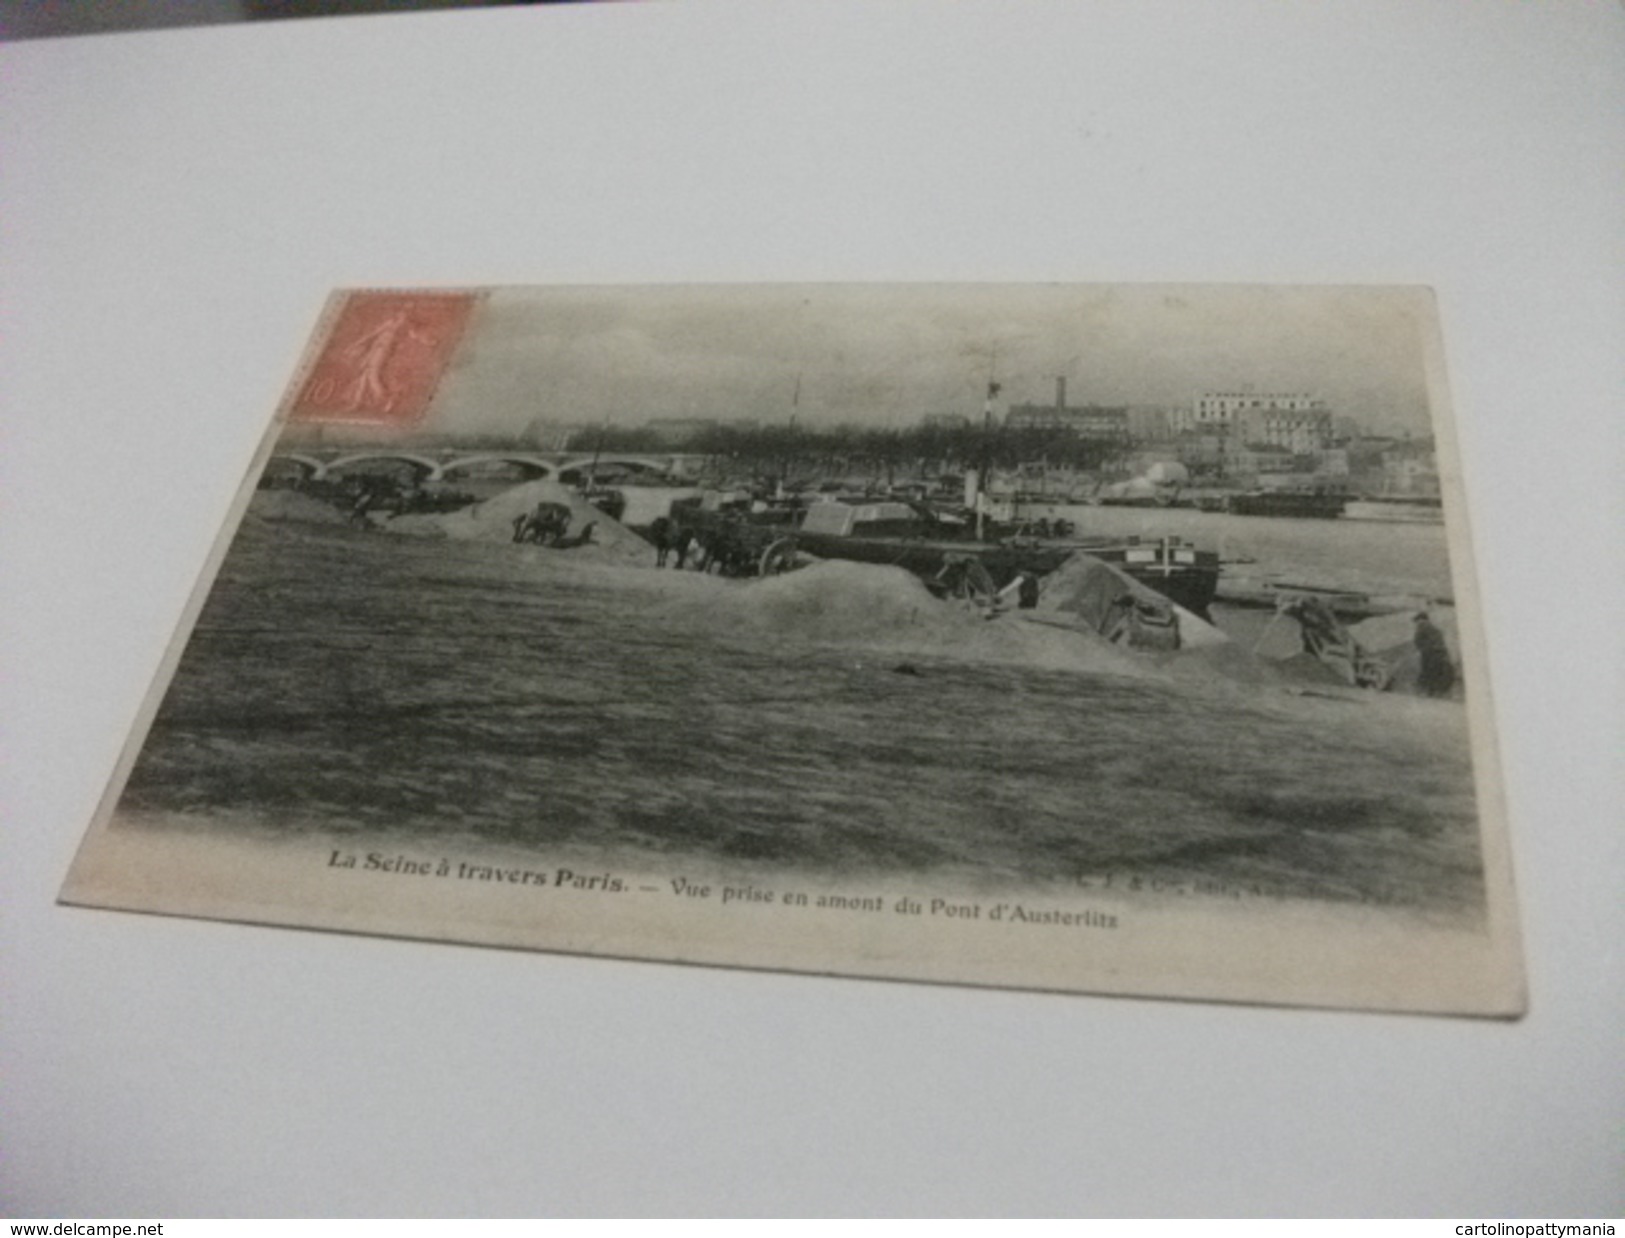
{"x": 1438, "y": 674}
{"x": 1027, "y": 593}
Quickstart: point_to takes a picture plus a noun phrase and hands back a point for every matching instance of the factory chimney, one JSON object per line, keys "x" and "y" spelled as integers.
{"x": 1060, "y": 394}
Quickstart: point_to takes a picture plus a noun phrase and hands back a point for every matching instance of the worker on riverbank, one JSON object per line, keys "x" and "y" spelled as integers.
{"x": 1027, "y": 591}
{"x": 1438, "y": 673}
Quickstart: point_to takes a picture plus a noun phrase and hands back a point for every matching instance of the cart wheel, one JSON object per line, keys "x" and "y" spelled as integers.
{"x": 778, "y": 558}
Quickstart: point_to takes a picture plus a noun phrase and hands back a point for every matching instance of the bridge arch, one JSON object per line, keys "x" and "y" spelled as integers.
{"x": 577, "y": 467}
{"x": 306, "y": 466}
{"x": 534, "y": 465}
{"x": 424, "y": 467}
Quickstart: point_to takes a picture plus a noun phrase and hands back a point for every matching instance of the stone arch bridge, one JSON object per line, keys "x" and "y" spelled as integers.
{"x": 447, "y": 466}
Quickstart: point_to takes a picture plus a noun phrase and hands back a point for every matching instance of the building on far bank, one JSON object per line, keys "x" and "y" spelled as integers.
{"x": 1254, "y": 412}
{"x": 1332, "y": 462}
{"x": 1219, "y": 408}
{"x": 1345, "y": 429}
{"x": 1091, "y": 421}
{"x": 1411, "y": 469}
{"x": 1150, "y": 423}
{"x": 1296, "y": 430}
{"x": 1202, "y": 454}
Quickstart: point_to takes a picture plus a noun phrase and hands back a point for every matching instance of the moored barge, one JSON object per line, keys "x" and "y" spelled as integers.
{"x": 1303, "y": 504}
{"x": 921, "y": 540}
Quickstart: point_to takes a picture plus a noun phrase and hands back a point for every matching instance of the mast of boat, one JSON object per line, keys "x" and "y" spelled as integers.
{"x": 790, "y": 443}
{"x": 597, "y": 448}
{"x": 984, "y": 465}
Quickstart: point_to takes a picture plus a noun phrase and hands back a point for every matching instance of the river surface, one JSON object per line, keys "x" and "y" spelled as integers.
{"x": 351, "y": 683}
{"x": 1380, "y": 556}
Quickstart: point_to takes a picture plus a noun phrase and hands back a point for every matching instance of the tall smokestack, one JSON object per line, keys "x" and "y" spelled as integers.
{"x": 1060, "y": 394}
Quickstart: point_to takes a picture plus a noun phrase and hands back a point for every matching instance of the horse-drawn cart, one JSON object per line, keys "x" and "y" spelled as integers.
{"x": 731, "y": 543}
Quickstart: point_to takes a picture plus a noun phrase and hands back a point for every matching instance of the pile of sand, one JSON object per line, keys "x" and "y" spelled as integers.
{"x": 888, "y": 609}
{"x": 492, "y": 521}
{"x": 294, "y": 506}
{"x": 836, "y": 600}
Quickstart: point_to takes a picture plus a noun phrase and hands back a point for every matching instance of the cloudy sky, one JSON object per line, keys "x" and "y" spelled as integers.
{"x": 889, "y": 355}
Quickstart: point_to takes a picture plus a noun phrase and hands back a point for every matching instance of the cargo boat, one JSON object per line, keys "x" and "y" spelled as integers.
{"x": 924, "y": 541}
{"x": 1304, "y": 504}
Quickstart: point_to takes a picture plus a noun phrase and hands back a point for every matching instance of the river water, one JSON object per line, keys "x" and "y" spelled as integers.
{"x": 1377, "y": 556}
{"x": 352, "y": 683}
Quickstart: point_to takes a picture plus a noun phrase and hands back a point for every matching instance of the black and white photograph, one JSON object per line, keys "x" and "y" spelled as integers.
{"x": 821, "y": 609}
{"x": 1088, "y": 638}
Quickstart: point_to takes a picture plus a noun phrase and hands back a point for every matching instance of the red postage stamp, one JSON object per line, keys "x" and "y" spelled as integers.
{"x": 383, "y": 357}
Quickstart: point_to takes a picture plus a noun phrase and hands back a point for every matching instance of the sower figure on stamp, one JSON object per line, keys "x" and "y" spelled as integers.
{"x": 372, "y": 354}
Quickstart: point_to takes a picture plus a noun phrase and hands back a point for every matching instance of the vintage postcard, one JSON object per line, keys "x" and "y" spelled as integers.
{"x": 1099, "y": 639}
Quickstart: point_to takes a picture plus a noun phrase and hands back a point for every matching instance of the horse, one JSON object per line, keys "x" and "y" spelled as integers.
{"x": 684, "y": 542}
{"x": 669, "y": 536}
{"x": 720, "y": 549}
{"x": 663, "y": 533}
